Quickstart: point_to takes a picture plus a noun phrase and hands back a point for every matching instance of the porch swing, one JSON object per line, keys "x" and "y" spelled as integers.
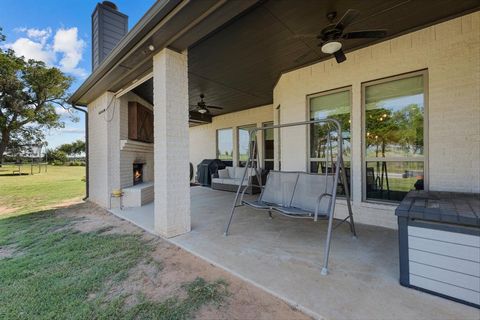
{"x": 299, "y": 194}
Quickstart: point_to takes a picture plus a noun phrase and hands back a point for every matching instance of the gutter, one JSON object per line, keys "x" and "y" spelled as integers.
{"x": 87, "y": 185}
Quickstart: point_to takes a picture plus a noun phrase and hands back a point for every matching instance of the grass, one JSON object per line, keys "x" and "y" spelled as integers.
{"x": 30, "y": 193}
{"x": 56, "y": 270}
{"x": 53, "y": 271}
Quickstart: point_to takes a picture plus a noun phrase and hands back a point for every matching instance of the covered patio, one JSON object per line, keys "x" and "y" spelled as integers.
{"x": 284, "y": 257}
{"x": 258, "y": 62}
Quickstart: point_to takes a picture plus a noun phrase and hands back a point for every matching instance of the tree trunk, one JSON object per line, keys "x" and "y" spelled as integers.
{"x": 3, "y": 144}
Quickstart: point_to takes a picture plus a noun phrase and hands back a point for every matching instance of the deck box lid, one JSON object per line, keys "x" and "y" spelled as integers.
{"x": 440, "y": 206}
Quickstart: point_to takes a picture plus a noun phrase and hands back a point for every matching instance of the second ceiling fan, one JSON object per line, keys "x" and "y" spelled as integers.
{"x": 334, "y": 32}
{"x": 202, "y": 107}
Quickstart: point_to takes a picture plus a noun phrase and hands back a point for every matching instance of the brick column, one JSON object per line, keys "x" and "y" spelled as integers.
{"x": 171, "y": 148}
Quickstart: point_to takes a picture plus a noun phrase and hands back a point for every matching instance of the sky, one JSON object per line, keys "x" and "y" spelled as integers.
{"x": 58, "y": 32}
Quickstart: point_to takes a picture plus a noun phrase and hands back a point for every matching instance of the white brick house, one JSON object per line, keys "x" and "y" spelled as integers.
{"x": 446, "y": 52}
{"x": 260, "y": 61}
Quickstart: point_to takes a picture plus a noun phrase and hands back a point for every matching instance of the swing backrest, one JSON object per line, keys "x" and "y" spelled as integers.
{"x": 279, "y": 188}
{"x": 308, "y": 190}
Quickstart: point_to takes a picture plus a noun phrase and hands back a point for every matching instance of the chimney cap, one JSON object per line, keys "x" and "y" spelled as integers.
{"x": 110, "y": 4}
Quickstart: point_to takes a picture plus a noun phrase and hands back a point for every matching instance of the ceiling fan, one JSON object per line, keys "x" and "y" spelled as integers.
{"x": 202, "y": 107}
{"x": 334, "y": 32}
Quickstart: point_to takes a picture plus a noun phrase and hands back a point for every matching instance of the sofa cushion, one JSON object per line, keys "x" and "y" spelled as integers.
{"x": 231, "y": 181}
{"x": 231, "y": 172}
{"x": 223, "y": 173}
{"x": 217, "y": 180}
{"x": 239, "y": 171}
{"x": 235, "y": 182}
{"x": 251, "y": 172}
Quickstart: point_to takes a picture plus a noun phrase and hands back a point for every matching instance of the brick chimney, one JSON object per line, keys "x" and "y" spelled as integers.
{"x": 109, "y": 26}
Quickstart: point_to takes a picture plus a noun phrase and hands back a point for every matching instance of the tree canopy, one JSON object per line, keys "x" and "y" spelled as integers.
{"x": 74, "y": 148}
{"x": 29, "y": 92}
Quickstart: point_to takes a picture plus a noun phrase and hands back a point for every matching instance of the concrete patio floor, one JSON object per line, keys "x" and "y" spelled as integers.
{"x": 284, "y": 256}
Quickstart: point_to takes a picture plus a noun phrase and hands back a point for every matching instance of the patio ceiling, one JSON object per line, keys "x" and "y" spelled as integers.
{"x": 237, "y": 66}
{"x": 238, "y": 49}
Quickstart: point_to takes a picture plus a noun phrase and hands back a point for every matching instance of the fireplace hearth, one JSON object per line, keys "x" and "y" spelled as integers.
{"x": 137, "y": 173}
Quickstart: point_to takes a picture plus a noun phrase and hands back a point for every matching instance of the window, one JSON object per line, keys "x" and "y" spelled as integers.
{"x": 225, "y": 145}
{"x": 268, "y": 147}
{"x": 394, "y": 139}
{"x": 244, "y": 144}
{"x": 335, "y": 104}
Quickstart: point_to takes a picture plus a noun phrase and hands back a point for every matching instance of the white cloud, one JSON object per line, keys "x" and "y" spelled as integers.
{"x": 67, "y": 43}
{"x": 32, "y": 50}
{"x": 64, "y": 51}
{"x": 72, "y": 130}
{"x": 61, "y": 111}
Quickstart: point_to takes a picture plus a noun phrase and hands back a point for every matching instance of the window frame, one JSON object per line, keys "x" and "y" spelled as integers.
{"x": 216, "y": 142}
{"x": 253, "y": 125}
{"x": 320, "y": 94}
{"x": 366, "y": 159}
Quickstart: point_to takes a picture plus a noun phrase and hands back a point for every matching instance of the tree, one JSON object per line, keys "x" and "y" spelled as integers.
{"x": 78, "y": 147}
{"x": 29, "y": 91}
{"x": 56, "y": 156}
{"x": 73, "y": 149}
{"x": 66, "y": 148}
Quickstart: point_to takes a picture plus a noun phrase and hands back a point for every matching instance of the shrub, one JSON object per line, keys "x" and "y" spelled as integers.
{"x": 77, "y": 164}
{"x": 57, "y": 157}
{"x": 57, "y": 163}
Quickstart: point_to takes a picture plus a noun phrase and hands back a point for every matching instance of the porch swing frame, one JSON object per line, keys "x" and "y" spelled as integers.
{"x": 339, "y": 174}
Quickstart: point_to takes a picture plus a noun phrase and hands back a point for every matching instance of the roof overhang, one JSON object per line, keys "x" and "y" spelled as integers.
{"x": 176, "y": 24}
{"x": 237, "y": 50}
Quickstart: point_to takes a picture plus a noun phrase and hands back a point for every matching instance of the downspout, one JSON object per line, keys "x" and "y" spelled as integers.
{"x": 87, "y": 182}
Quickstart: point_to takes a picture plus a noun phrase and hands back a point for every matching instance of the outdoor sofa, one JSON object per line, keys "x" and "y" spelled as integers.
{"x": 229, "y": 179}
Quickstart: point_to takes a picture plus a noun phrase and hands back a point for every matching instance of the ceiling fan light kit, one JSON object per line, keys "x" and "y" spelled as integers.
{"x": 331, "y": 47}
{"x": 334, "y": 32}
{"x": 200, "y": 113}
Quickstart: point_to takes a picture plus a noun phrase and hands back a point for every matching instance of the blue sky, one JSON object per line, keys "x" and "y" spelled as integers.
{"x": 59, "y": 33}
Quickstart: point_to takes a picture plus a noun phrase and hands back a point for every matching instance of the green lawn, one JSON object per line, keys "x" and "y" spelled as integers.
{"x": 57, "y": 272}
{"x": 51, "y": 270}
{"x": 30, "y": 193}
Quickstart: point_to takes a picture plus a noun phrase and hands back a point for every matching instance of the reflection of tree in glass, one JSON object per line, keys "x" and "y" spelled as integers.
{"x": 320, "y": 132}
{"x": 410, "y": 119}
{"x": 402, "y": 128}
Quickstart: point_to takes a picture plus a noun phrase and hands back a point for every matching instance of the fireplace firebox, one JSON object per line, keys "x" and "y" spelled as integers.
{"x": 137, "y": 173}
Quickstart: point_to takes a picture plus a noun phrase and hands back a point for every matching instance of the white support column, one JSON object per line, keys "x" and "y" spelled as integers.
{"x": 171, "y": 150}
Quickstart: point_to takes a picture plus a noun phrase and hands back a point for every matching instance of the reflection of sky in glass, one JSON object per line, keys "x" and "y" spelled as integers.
{"x": 243, "y": 140}
{"x": 323, "y": 114}
{"x": 396, "y": 104}
{"x": 225, "y": 141}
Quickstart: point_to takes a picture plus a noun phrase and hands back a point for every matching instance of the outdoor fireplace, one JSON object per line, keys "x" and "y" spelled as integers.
{"x": 137, "y": 173}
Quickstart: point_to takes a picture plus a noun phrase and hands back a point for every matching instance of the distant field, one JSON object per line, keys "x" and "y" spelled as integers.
{"x": 29, "y": 193}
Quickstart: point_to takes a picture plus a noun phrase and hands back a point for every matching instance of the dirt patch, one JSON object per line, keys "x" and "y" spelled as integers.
{"x": 168, "y": 267}
{"x": 6, "y": 210}
{"x": 8, "y": 252}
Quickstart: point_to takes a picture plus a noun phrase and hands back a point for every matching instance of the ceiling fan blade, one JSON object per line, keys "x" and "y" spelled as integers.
{"x": 375, "y": 34}
{"x": 214, "y": 107}
{"x": 340, "y": 56}
{"x": 347, "y": 18}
